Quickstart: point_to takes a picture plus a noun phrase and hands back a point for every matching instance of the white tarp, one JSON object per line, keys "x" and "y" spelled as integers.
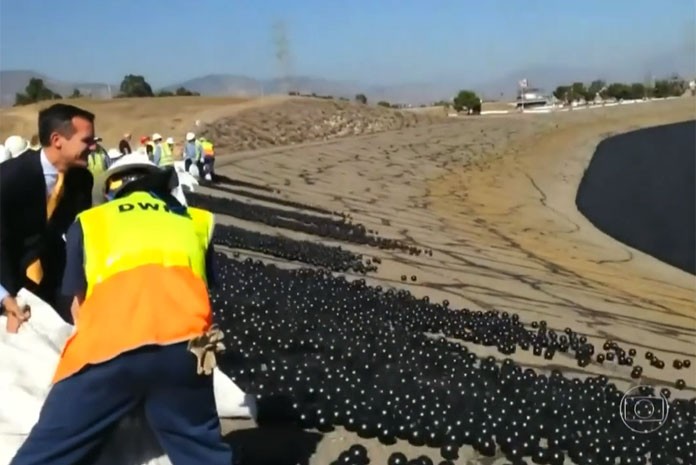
{"x": 27, "y": 362}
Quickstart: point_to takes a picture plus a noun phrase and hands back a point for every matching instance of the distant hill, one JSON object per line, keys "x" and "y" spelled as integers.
{"x": 504, "y": 87}
{"x": 15, "y": 81}
{"x": 221, "y": 84}
{"x": 231, "y": 84}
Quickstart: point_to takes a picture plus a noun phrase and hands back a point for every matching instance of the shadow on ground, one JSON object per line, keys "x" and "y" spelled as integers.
{"x": 273, "y": 445}
{"x": 276, "y": 439}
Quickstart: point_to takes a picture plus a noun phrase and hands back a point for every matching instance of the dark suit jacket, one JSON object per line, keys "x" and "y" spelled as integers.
{"x": 24, "y": 232}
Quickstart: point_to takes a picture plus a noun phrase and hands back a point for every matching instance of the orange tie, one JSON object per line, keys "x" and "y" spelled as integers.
{"x": 35, "y": 271}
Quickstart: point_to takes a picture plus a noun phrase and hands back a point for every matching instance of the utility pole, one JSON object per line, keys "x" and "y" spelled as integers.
{"x": 282, "y": 53}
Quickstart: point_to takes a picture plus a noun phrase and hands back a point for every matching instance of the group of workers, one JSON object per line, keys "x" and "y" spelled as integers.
{"x": 132, "y": 273}
{"x": 198, "y": 152}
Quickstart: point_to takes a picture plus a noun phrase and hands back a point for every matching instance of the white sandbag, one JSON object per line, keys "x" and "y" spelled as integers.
{"x": 4, "y": 154}
{"x": 27, "y": 362}
{"x": 194, "y": 171}
{"x": 188, "y": 179}
{"x": 180, "y": 166}
{"x": 231, "y": 401}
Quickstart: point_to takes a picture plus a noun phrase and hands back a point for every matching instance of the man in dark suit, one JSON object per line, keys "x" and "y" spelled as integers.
{"x": 41, "y": 193}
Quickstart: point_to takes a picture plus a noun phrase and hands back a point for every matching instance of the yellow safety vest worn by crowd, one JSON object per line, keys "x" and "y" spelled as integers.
{"x": 166, "y": 156}
{"x": 96, "y": 162}
{"x": 146, "y": 281}
{"x": 208, "y": 149}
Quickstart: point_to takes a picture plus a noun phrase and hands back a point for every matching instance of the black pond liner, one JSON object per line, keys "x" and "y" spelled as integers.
{"x": 319, "y": 351}
{"x": 640, "y": 188}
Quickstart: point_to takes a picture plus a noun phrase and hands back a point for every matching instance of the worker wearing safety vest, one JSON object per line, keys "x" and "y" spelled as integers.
{"x": 193, "y": 152}
{"x": 97, "y": 160}
{"x": 167, "y": 154}
{"x": 137, "y": 266}
{"x": 160, "y": 150}
{"x": 208, "y": 158}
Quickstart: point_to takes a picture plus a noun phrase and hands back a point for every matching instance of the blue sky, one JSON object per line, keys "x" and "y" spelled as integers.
{"x": 375, "y": 41}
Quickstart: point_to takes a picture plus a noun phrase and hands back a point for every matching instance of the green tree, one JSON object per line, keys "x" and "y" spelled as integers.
{"x": 661, "y": 89}
{"x": 36, "y": 91}
{"x": 467, "y": 99}
{"x": 361, "y": 98}
{"x": 135, "y": 86}
{"x": 637, "y": 91}
{"x": 596, "y": 87}
{"x": 578, "y": 91}
{"x": 76, "y": 93}
{"x": 674, "y": 86}
{"x": 383, "y": 103}
{"x": 619, "y": 91}
{"x": 164, "y": 93}
{"x": 562, "y": 93}
{"x": 184, "y": 92}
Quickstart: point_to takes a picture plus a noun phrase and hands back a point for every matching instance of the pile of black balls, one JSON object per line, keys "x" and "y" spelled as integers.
{"x": 399, "y": 458}
{"x": 319, "y": 351}
{"x": 310, "y": 252}
{"x": 270, "y": 199}
{"x": 355, "y": 455}
{"x": 318, "y": 225}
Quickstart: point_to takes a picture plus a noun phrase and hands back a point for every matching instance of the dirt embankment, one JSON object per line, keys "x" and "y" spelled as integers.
{"x": 169, "y": 116}
{"x": 300, "y": 120}
{"x": 234, "y": 124}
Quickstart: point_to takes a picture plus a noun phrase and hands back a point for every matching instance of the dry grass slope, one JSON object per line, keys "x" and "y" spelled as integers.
{"x": 305, "y": 120}
{"x": 167, "y": 115}
{"x": 233, "y": 123}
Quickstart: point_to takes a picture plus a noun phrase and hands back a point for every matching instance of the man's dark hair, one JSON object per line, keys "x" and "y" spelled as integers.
{"x": 58, "y": 118}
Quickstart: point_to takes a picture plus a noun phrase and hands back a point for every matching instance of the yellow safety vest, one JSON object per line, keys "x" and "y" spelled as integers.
{"x": 166, "y": 156}
{"x": 208, "y": 149}
{"x": 146, "y": 281}
{"x": 96, "y": 161}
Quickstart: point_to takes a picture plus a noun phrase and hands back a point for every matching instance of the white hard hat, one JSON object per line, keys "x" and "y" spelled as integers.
{"x": 16, "y": 145}
{"x": 127, "y": 163}
{"x": 114, "y": 153}
{"x": 139, "y": 161}
{"x": 170, "y": 140}
{"x": 156, "y": 136}
{"x": 190, "y": 136}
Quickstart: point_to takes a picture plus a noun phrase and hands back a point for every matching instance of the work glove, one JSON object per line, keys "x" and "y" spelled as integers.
{"x": 205, "y": 347}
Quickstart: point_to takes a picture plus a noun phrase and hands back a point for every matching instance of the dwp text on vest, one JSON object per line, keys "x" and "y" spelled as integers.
{"x": 126, "y": 207}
